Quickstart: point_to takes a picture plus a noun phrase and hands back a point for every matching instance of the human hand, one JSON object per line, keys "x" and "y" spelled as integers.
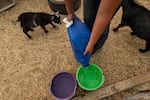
{"x": 88, "y": 50}
{"x": 70, "y": 17}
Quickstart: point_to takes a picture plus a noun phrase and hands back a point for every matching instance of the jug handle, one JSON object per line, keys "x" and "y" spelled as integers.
{"x": 67, "y": 22}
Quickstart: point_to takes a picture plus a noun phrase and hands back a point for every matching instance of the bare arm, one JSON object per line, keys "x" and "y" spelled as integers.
{"x": 103, "y": 18}
{"x": 69, "y": 8}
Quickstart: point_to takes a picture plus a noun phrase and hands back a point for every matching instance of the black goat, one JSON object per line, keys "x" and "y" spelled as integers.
{"x": 137, "y": 17}
{"x": 29, "y": 20}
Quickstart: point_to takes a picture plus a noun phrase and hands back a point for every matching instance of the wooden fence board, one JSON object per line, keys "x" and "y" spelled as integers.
{"x": 115, "y": 88}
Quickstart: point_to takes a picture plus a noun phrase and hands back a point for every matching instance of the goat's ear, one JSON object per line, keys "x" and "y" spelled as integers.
{"x": 57, "y": 13}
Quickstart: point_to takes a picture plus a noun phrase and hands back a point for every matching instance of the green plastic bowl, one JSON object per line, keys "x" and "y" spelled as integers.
{"x": 90, "y": 77}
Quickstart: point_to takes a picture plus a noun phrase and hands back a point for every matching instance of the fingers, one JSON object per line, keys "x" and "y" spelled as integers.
{"x": 70, "y": 17}
{"x": 87, "y": 51}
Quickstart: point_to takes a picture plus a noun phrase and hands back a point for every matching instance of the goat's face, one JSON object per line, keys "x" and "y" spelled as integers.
{"x": 56, "y": 18}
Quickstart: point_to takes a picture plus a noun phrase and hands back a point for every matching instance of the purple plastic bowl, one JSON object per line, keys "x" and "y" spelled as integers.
{"x": 63, "y": 86}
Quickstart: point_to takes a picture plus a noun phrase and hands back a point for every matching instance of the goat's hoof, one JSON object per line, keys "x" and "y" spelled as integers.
{"x": 56, "y": 28}
{"x": 142, "y": 50}
{"x": 46, "y": 31}
{"x": 132, "y": 33}
{"x": 115, "y": 29}
{"x": 29, "y": 37}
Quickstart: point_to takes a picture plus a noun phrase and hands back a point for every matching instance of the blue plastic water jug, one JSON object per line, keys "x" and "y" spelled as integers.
{"x": 79, "y": 35}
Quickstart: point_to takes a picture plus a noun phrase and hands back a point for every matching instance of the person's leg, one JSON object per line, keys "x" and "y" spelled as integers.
{"x": 90, "y": 10}
{"x": 101, "y": 40}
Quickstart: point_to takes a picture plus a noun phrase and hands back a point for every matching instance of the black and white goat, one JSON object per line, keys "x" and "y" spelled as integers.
{"x": 29, "y": 20}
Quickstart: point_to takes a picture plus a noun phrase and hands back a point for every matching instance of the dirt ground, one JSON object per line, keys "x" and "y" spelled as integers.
{"x": 27, "y": 66}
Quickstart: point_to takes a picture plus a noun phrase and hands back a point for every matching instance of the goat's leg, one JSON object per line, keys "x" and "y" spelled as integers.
{"x": 25, "y": 30}
{"x": 147, "y": 48}
{"x": 53, "y": 25}
{"x": 43, "y": 27}
{"x": 31, "y": 29}
{"x": 116, "y": 29}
